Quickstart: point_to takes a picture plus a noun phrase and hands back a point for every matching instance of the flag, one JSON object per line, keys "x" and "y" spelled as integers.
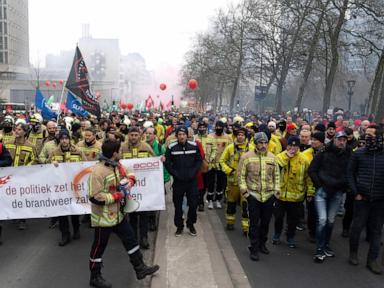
{"x": 161, "y": 106}
{"x": 78, "y": 84}
{"x": 75, "y": 106}
{"x": 149, "y": 102}
{"x": 41, "y": 104}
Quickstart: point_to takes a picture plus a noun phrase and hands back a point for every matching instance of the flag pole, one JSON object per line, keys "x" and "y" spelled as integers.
{"x": 61, "y": 99}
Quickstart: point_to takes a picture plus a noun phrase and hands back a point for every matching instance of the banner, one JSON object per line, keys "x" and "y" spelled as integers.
{"x": 42, "y": 105}
{"x": 41, "y": 191}
{"x": 75, "y": 106}
{"x": 78, "y": 84}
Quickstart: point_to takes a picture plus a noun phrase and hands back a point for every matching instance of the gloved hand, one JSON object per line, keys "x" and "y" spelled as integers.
{"x": 118, "y": 196}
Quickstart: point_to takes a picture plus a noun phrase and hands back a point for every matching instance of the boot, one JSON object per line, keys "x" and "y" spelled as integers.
{"x": 353, "y": 259}
{"x": 98, "y": 281}
{"x": 374, "y": 267}
{"x": 201, "y": 208}
{"x": 263, "y": 249}
{"x": 65, "y": 239}
{"x": 254, "y": 255}
{"x": 141, "y": 269}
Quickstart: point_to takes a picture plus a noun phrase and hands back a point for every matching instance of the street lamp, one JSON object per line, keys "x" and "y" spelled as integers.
{"x": 351, "y": 85}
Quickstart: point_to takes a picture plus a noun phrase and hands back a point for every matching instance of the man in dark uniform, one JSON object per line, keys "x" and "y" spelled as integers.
{"x": 183, "y": 161}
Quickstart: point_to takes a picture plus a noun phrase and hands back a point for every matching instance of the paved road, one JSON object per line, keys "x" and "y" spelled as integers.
{"x": 286, "y": 267}
{"x": 32, "y": 258}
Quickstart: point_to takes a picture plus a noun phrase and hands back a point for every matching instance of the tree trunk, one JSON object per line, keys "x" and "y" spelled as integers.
{"x": 311, "y": 56}
{"x": 233, "y": 95}
{"x": 335, "y": 57}
{"x": 374, "y": 93}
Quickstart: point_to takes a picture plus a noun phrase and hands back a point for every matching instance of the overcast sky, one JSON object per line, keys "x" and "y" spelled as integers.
{"x": 161, "y": 30}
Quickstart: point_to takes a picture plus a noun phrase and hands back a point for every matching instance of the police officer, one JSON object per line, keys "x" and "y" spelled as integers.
{"x": 105, "y": 194}
{"x": 183, "y": 161}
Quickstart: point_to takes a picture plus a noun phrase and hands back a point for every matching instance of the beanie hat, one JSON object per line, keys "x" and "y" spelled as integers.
{"x": 320, "y": 127}
{"x": 220, "y": 124}
{"x": 260, "y": 136}
{"x": 294, "y": 140}
{"x": 181, "y": 128}
{"x": 331, "y": 125}
{"x": 319, "y": 136}
{"x": 63, "y": 133}
{"x": 290, "y": 127}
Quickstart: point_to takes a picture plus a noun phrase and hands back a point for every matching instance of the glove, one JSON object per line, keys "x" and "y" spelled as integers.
{"x": 118, "y": 196}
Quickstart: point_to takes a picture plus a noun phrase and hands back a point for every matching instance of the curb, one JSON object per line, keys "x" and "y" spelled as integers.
{"x": 236, "y": 273}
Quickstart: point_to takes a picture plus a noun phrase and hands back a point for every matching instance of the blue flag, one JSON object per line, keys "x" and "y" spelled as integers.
{"x": 41, "y": 104}
{"x": 75, "y": 106}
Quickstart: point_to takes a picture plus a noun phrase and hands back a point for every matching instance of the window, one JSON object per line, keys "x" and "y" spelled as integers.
{"x": 5, "y": 13}
{"x": 1, "y": 58}
{"x": 5, "y": 43}
{"x": 1, "y": 42}
{"x": 5, "y": 57}
{"x": 1, "y": 27}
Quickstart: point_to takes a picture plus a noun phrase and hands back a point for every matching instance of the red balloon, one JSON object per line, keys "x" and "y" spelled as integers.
{"x": 129, "y": 106}
{"x": 47, "y": 83}
{"x": 192, "y": 84}
{"x": 53, "y": 84}
{"x": 123, "y": 106}
{"x": 163, "y": 86}
{"x": 61, "y": 82}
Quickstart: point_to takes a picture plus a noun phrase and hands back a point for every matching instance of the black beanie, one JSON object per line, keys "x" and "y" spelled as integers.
{"x": 319, "y": 136}
{"x": 331, "y": 124}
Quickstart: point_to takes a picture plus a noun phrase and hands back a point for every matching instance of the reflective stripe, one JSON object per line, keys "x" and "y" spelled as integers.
{"x": 133, "y": 250}
{"x": 98, "y": 260}
{"x": 190, "y": 151}
{"x": 177, "y": 152}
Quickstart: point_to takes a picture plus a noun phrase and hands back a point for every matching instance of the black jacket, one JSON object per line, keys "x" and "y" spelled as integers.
{"x": 329, "y": 169}
{"x": 366, "y": 174}
{"x": 183, "y": 161}
{"x": 5, "y": 156}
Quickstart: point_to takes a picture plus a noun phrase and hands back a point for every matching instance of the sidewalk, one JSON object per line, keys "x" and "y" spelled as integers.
{"x": 205, "y": 261}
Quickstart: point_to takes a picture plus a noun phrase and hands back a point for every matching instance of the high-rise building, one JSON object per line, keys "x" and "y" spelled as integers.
{"x": 14, "y": 37}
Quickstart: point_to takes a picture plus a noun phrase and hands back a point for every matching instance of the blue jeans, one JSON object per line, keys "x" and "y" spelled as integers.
{"x": 327, "y": 205}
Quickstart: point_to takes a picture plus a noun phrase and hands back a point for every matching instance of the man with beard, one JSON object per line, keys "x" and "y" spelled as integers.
{"x": 216, "y": 144}
{"x": 229, "y": 162}
{"x": 65, "y": 153}
{"x": 37, "y": 134}
{"x": 133, "y": 147}
{"x": 366, "y": 179}
{"x": 331, "y": 131}
{"x": 259, "y": 179}
{"x": 49, "y": 143}
{"x": 202, "y": 137}
{"x": 89, "y": 146}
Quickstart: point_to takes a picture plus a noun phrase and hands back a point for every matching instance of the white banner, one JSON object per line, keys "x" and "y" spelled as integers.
{"x": 46, "y": 191}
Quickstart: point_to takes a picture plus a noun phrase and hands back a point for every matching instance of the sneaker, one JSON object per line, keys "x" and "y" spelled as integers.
{"x": 218, "y": 204}
{"x": 210, "y": 204}
{"x": 276, "y": 240}
{"x": 201, "y": 208}
{"x": 192, "y": 230}
{"x": 300, "y": 227}
{"x": 254, "y": 255}
{"x": 291, "y": 243}
{"x": 374, "y": 267}
{"x": 329, "y": 252}
{"x": 353, "y": 258}
{"x": 179, "y": 231}
{"x": 319, "y": 257}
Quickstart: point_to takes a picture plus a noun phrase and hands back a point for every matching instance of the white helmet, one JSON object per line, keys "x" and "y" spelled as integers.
{"x": 238, "y": 119}
{"x": 126, "y": 120}
{"x": 224, "y": 120}
{"x": 38, "y": 117}
{"x": 20, "y": 121}
{"x": 68, "y": 122}
{"x": 10, "y": 119}
{"x": 148, "y": 124}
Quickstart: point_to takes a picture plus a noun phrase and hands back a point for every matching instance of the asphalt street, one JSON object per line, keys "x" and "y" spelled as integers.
{"x": 287, "y": 267}
{"x": 33, "y": 259}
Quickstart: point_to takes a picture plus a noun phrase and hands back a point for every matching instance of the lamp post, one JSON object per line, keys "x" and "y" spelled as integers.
{"x": 351, "y": 85}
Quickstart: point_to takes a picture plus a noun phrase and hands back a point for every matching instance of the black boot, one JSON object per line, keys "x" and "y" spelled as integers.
{"x": 98, "y": 281}
{"x": 141, "y": 269}
{"x": 65, "y": 239}
{"x": 254, "y": 255}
